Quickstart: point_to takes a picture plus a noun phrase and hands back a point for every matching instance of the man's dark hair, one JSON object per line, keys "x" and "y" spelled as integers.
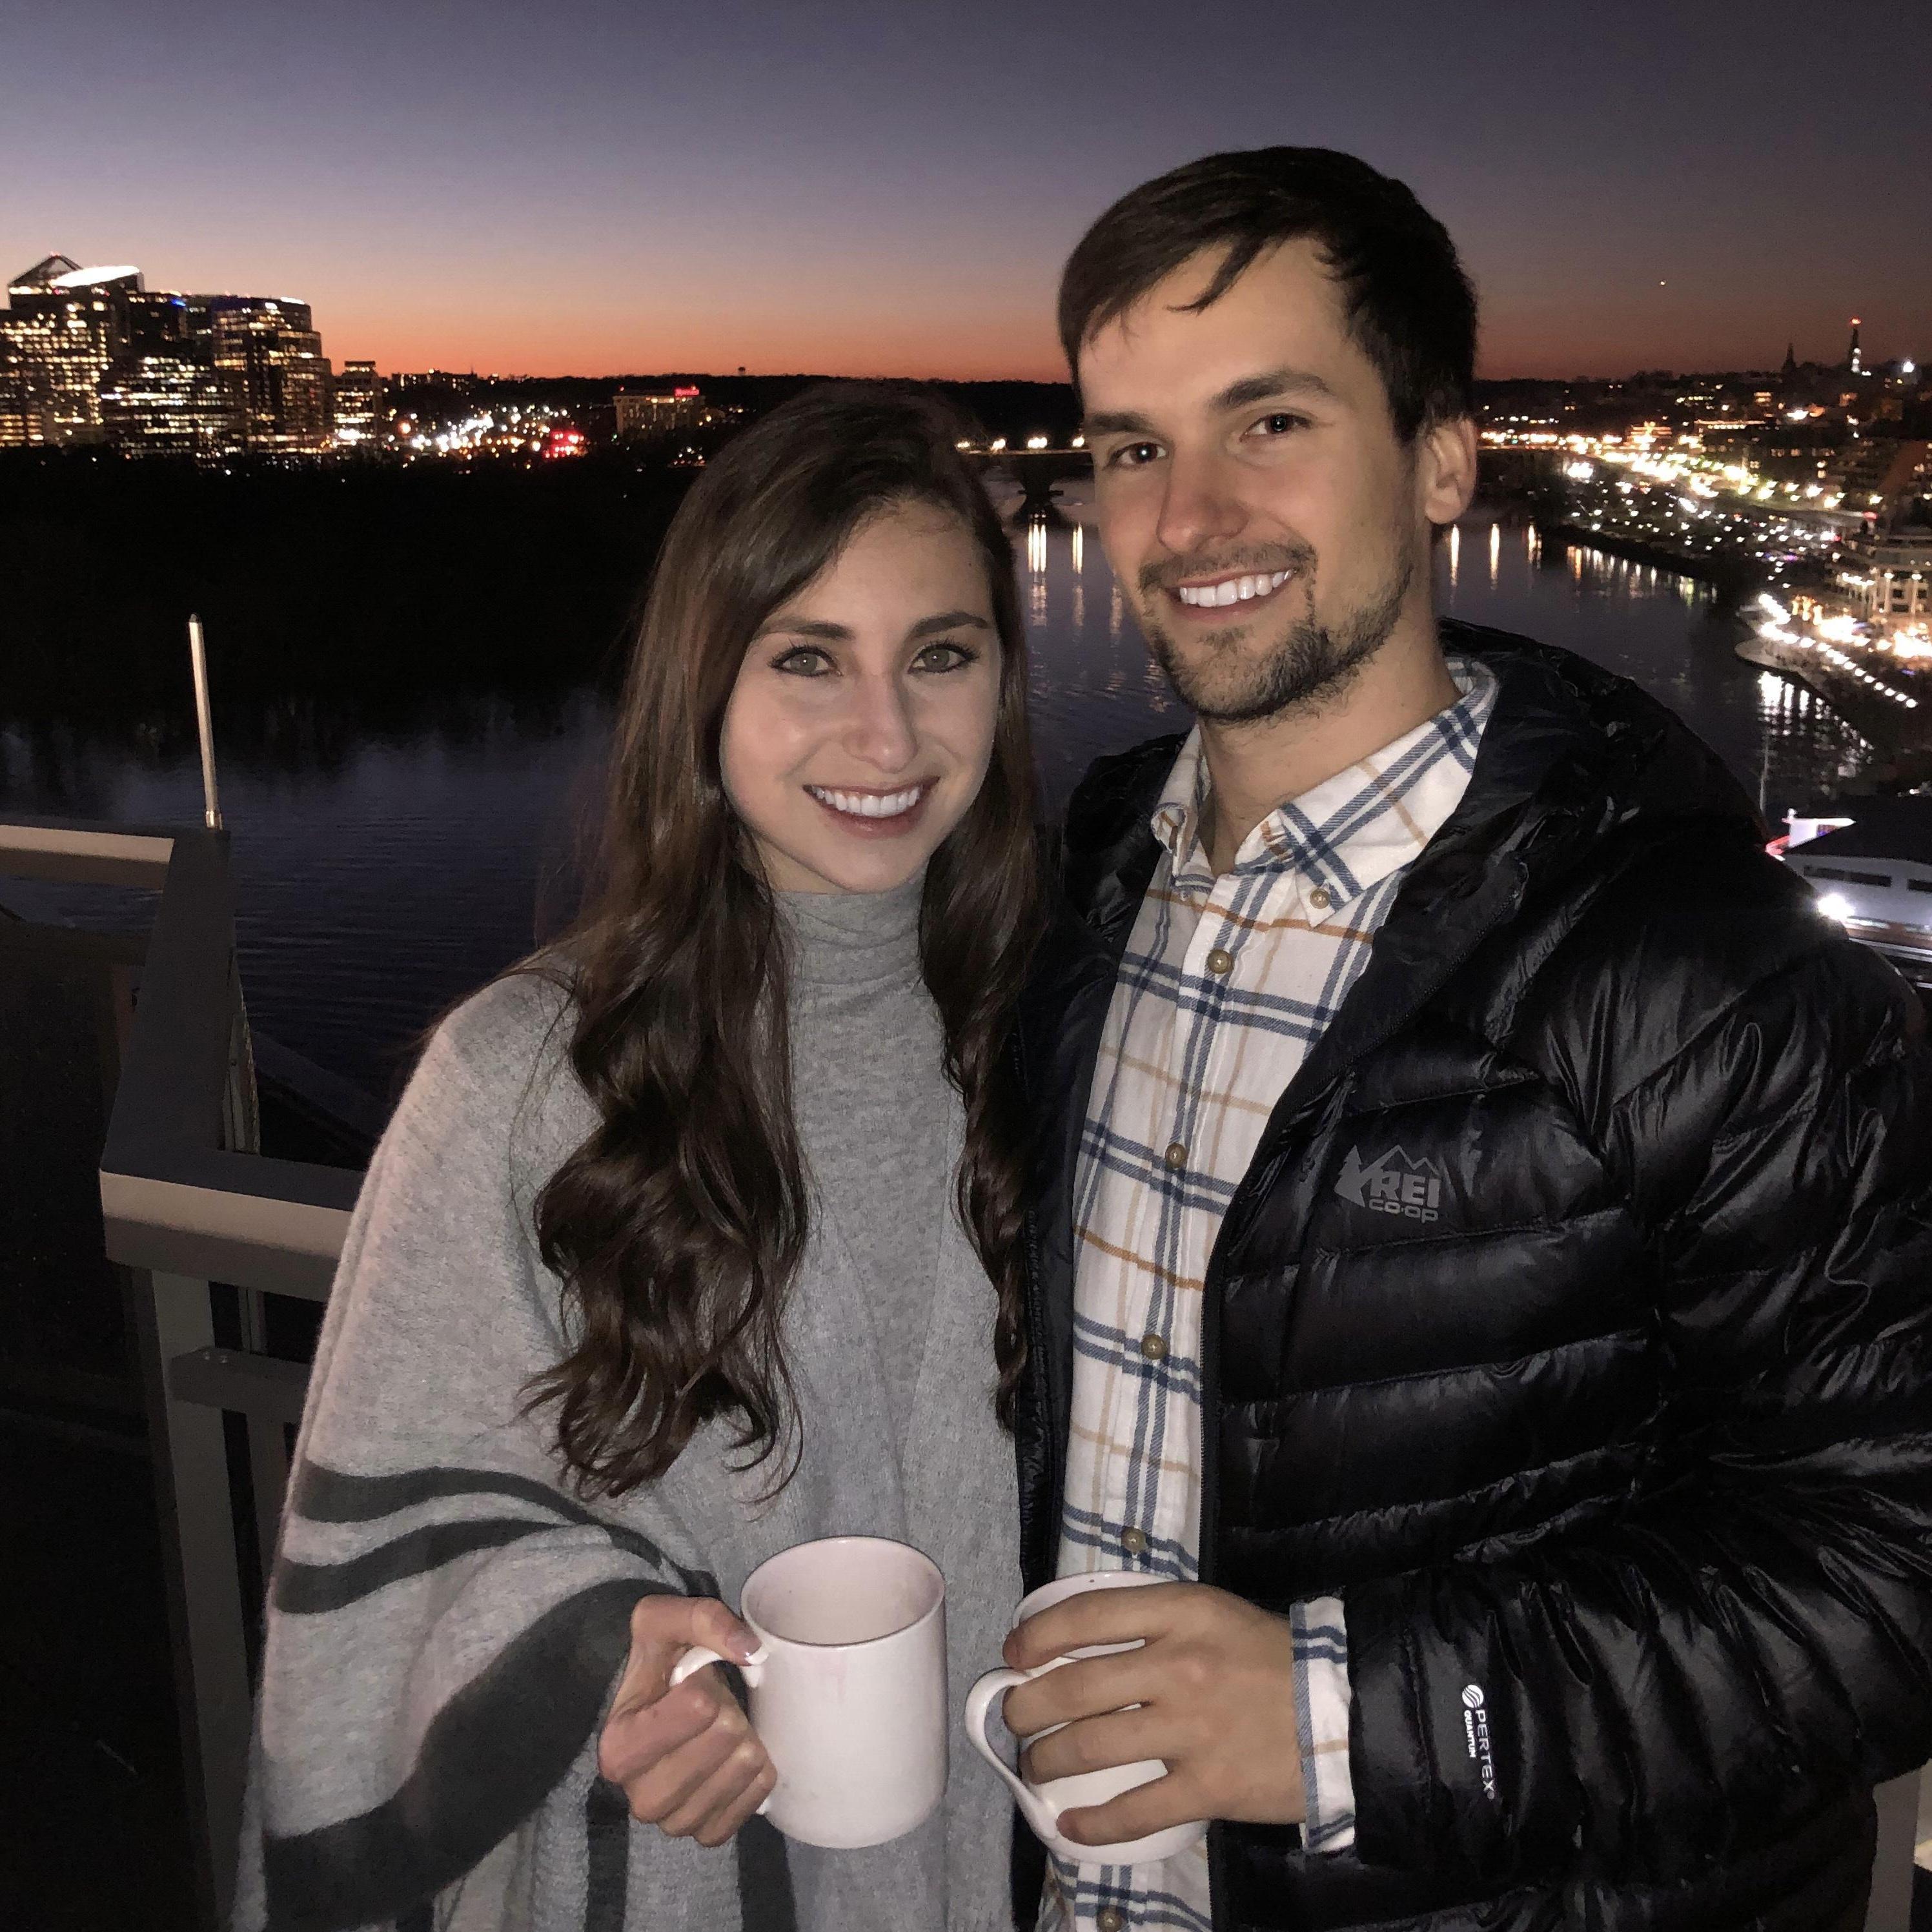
{"x": 1408, "y": 301}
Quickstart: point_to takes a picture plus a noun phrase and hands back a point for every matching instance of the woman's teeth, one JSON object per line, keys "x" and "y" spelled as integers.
{"x": 1233, "y": 589}
{"x": 867, "y": 805}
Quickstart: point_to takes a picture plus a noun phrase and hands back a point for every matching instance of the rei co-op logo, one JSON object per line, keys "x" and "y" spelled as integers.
{"x": 1393, "y": 1183}
{"x": 1476, "y": 1730}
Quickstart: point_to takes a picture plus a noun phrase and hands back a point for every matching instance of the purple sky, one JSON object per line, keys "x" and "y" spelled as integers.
{"x": 595, "y": 186}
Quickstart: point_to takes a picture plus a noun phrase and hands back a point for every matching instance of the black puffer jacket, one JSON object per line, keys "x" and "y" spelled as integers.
{"x": 1622, "y": 1465}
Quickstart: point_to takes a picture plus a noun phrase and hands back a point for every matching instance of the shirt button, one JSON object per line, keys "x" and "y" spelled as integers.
{"x": 1220, "y": 960}
{"x": 1134, "y": 1542}
{"x": 1176, "y": 1155}
{"x": 1111, "y": 1918}
{"x": 1154, "y": 1348}
{"x": 1319, "y": 899}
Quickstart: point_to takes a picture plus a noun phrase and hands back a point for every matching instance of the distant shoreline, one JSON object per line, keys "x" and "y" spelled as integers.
{"x": 1895, "y": 733}
{"x": 1732, "y": 581}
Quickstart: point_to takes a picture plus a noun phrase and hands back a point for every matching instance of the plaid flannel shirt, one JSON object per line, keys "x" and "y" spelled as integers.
{"x": 1226, "y": 984}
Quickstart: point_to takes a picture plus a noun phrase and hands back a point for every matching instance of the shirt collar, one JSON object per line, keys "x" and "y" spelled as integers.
{"x": 1352, "y": 831}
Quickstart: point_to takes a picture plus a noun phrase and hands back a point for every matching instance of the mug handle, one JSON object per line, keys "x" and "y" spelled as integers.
{"x": 695, "y": 1659}
{"x": 752, "y": 1670}
{"x": 1040, "y": 1814}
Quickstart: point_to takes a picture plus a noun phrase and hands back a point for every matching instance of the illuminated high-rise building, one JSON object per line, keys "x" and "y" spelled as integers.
{"x": 1854, "y": 355}
{"x": 15, "y": 422}
{"x": 642, "y": 417}
{"x": 162, "y": 394}
{"x": 66, "y": 325}
{"x": 170, "y": 405}
{"x": 268, "y": 351}
{"x": 88, "y": 354}
{"x": 361, "y": 414}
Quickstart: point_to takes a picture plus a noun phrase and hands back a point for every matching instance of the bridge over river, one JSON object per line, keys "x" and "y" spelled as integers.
{"x": 1036, "y": 472}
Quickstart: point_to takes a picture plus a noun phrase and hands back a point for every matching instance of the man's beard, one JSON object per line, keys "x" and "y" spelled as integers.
{"x": 1312, "y": 661}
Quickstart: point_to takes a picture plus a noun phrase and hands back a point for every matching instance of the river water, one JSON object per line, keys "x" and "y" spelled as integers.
{"x": 379, "y": 883}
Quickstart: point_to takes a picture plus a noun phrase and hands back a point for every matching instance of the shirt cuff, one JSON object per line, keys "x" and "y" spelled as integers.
{"x": 1320, "y": 1633}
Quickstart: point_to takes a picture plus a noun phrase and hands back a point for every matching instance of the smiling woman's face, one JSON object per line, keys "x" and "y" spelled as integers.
{"x": 861, "y": 725}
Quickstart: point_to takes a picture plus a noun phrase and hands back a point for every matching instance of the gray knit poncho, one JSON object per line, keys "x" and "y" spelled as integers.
{"x": 446, "y": 1622}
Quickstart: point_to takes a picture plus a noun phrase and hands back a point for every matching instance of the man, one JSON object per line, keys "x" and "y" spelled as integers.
{"x": 1482, "y": 1251}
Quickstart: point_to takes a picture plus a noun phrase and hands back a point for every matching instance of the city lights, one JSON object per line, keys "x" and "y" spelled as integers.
{"x": 1813, "y": 487}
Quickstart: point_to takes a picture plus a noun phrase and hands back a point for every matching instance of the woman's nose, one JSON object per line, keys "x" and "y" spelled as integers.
{"x": 881, "y": 729}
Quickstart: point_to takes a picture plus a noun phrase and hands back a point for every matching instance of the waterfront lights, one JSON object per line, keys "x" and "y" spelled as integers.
{"x": 1035, "y": 442}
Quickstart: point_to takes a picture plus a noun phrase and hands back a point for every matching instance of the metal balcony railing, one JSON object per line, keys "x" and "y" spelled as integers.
{"x": 187, "y": 1203}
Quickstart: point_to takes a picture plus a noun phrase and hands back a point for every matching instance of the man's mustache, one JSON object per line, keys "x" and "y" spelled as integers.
{"x": 1169, "y": 573}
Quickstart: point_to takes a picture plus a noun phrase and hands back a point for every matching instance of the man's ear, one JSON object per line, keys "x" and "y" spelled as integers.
{"x": 1445, "y": 469}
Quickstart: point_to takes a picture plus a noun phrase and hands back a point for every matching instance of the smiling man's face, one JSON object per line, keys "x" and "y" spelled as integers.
{"x": 1269, "y": 526}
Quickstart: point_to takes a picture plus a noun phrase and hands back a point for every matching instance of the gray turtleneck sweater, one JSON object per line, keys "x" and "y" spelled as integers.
{"x": 875, "y": 1109}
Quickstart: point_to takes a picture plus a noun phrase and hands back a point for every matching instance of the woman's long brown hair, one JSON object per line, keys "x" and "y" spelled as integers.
{"x": 677, "y": 1228}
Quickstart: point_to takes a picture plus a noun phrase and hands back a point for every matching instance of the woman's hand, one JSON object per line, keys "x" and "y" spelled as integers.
{"x": 688, "y": 1759}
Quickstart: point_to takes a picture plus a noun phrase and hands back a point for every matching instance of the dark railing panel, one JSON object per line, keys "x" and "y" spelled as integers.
{"x": 185, "y": 1202}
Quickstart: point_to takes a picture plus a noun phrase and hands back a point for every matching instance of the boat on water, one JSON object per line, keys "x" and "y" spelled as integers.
{"x": 1870, "y": 861}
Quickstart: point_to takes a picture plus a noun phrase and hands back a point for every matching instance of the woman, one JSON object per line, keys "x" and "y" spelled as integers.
{"x": 693, "y": 1238}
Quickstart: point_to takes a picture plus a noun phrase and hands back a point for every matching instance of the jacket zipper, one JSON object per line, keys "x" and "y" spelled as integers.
{"x": 1241, "y": 1206}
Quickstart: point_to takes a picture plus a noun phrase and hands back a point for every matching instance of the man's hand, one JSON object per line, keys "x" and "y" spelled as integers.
{"x": 688, "y": 1759}
{"x": 1215, "y": 1680}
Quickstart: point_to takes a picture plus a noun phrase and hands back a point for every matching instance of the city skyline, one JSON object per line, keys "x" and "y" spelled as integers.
{"x": 864, "y": 190}
{"x": 1849, "y": 329}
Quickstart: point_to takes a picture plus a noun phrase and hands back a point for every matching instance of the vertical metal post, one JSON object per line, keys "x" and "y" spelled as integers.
{"x": 202, "y": 1574}
{"x": 197, "y": 651}
{"x": 1891, "y": 1908}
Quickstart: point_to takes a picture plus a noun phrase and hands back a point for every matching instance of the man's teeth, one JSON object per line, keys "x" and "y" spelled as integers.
{"x": 1233, "y": 589}
{"x": 867, "y": 805}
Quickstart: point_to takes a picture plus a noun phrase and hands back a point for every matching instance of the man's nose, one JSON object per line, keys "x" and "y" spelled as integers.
{"x": 1201, "y": 504}
{"x": 880, "y": 727}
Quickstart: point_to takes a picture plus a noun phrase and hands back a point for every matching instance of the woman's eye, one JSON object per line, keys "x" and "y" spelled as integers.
{"x": 803, "y": 661}
{"x": 944, "y": 657}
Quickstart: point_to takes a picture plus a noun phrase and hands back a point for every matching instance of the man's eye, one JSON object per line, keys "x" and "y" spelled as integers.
{"x": 1135, "y": 455}
{"x": 1281, "y": 423}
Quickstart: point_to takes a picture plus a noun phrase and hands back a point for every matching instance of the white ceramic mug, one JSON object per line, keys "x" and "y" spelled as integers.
{"x": 1041, "y": 1804}
{"x": 847, "y": 1687}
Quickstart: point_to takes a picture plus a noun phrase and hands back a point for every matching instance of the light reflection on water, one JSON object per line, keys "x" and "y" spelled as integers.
{"x": 380, "y": 881}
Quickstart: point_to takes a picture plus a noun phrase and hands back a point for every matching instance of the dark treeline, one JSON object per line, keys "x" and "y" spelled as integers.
{"x": 378, "y": 587}
{"x": 1014, "y": 410}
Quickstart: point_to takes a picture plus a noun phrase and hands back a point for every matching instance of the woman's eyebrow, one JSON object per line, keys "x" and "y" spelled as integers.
{"x": 823, "y": 628}
{"x": 946, "y": 620}
{"x": 804, "y": 627}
